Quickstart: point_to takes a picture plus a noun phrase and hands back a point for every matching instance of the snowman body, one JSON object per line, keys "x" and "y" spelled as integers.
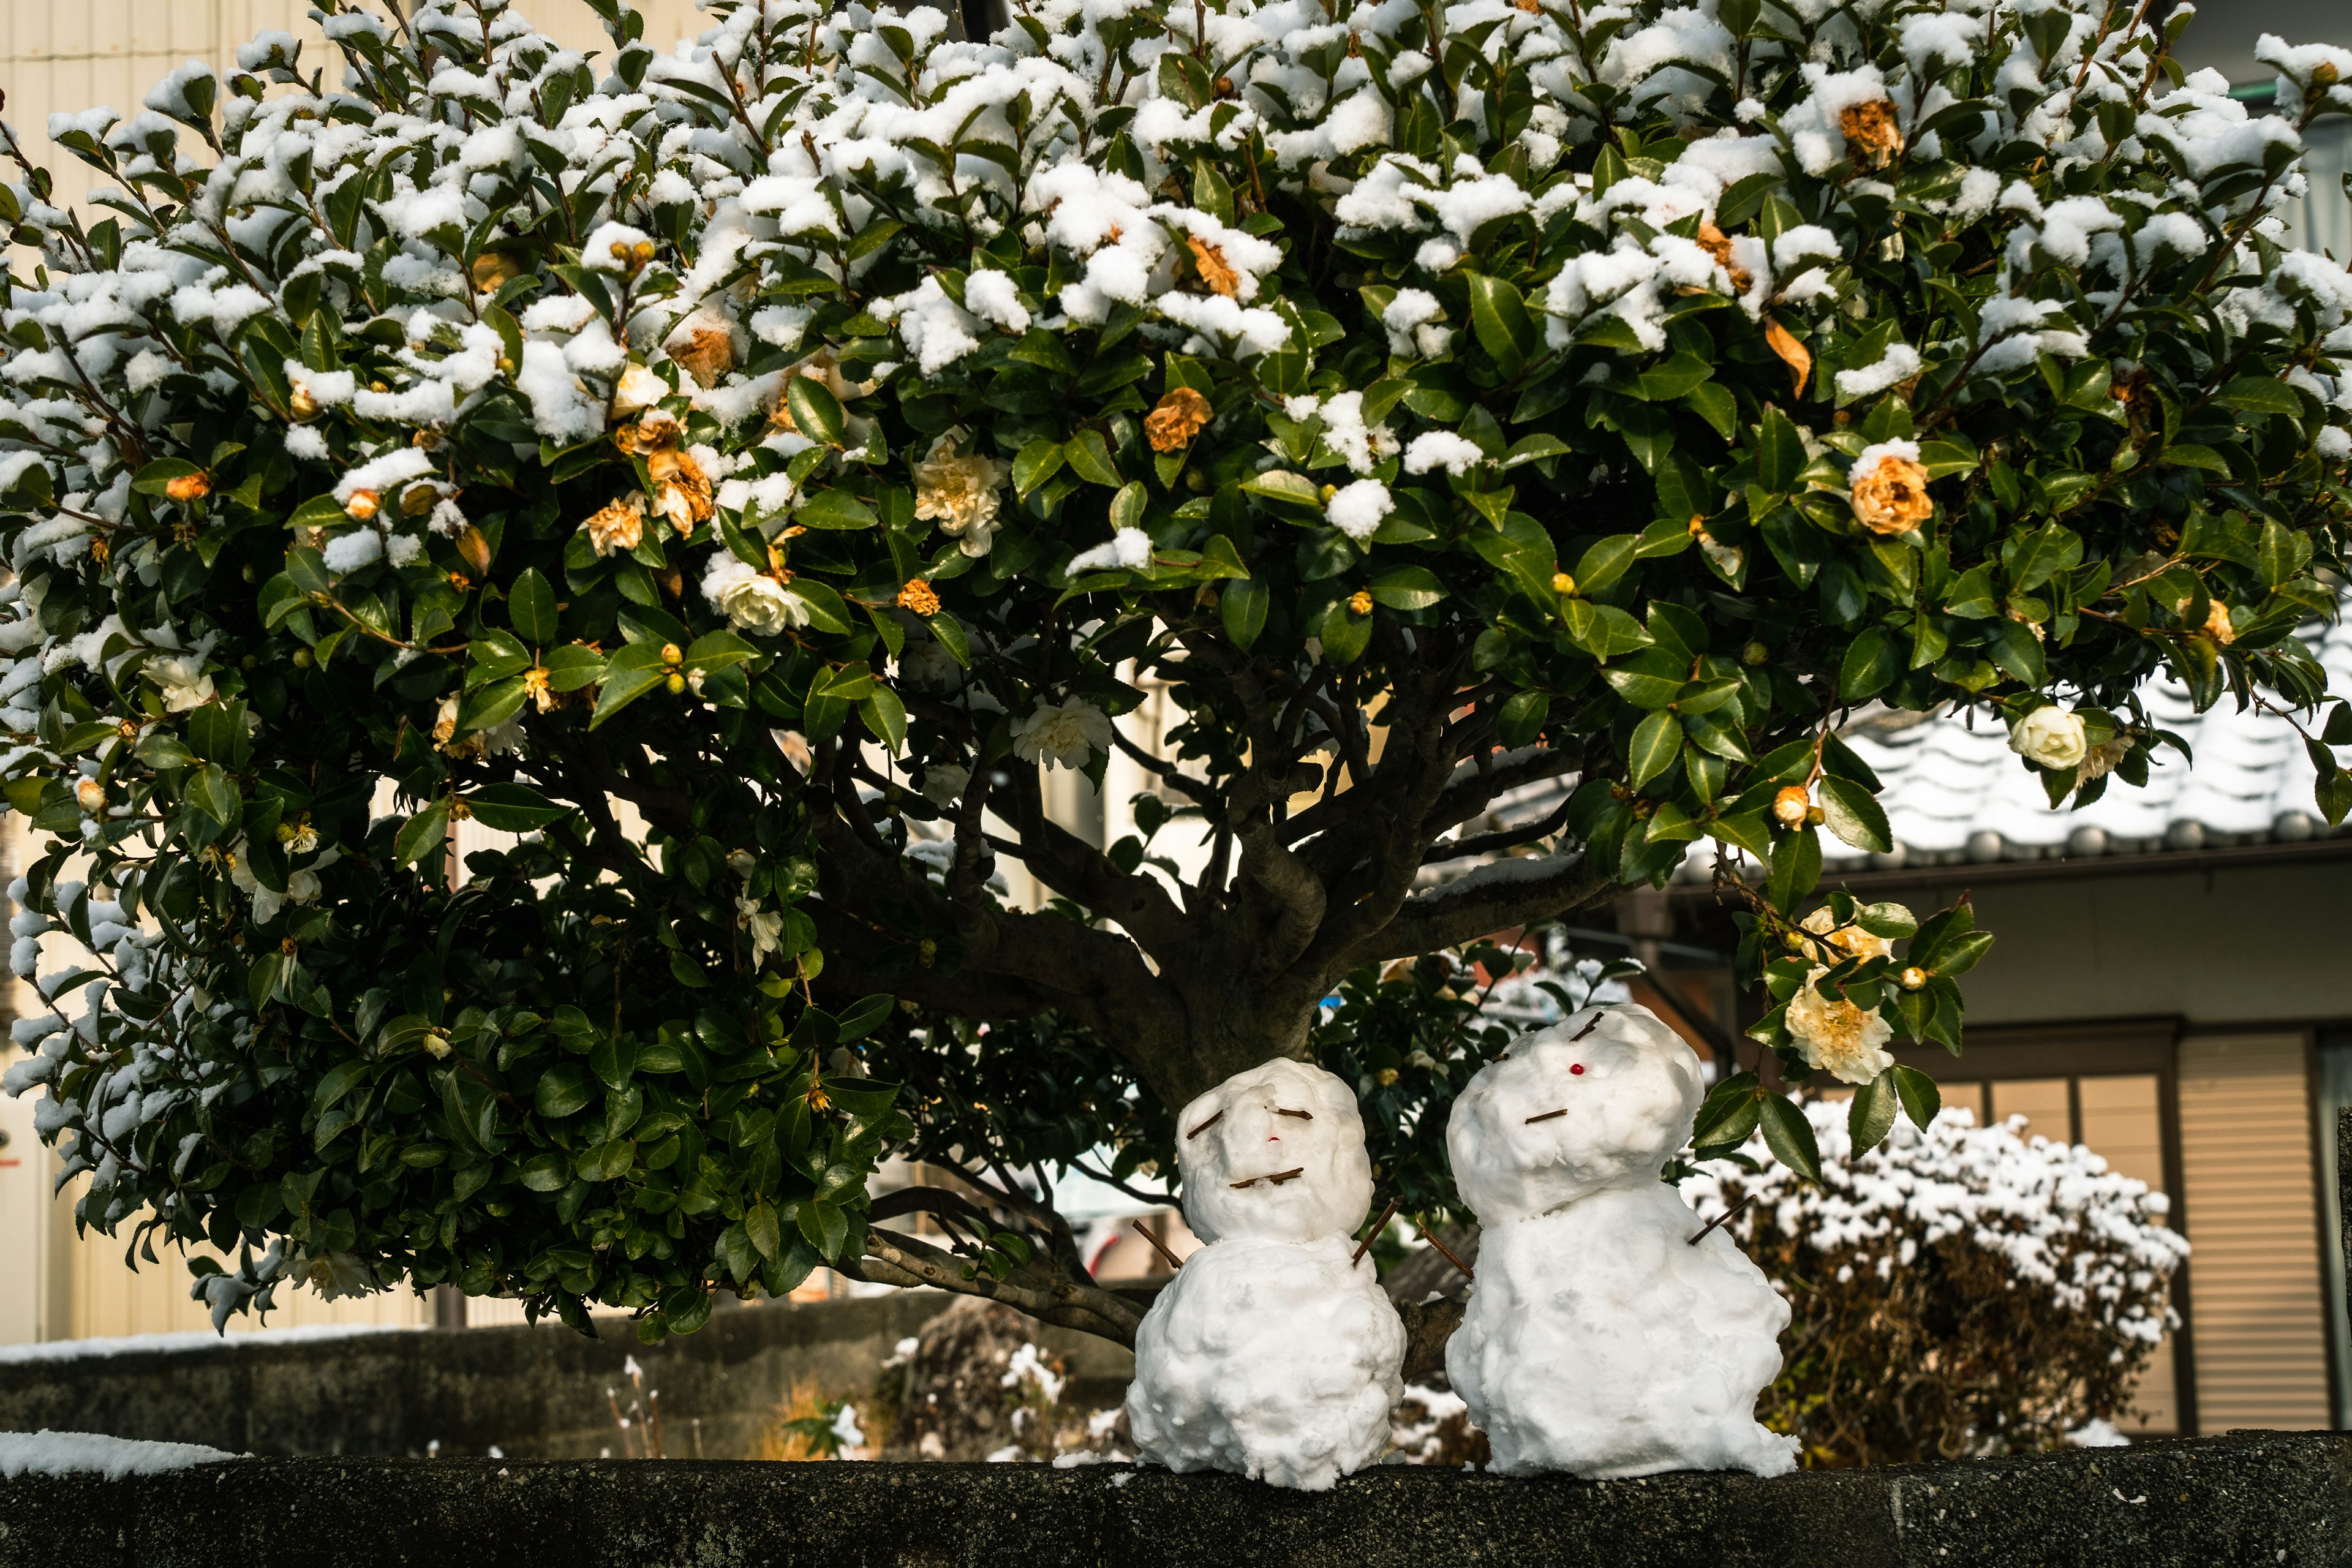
{"x": 1273, "y": 1354}
{"x": 1598, "y": 1340}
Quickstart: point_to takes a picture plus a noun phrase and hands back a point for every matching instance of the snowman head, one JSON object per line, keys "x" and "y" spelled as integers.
{"x": 1601, "y": 1100}
{"x": 1276, "y": 1151}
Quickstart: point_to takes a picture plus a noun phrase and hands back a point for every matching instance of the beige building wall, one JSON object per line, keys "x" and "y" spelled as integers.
{"x": 71, "y": 55}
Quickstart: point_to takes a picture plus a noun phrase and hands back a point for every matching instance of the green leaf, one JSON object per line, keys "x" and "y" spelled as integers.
{"x": 531, "y": 609}
{"x": 1656, "y": 743}
{"x": 1038, "y": 461}
{"x": 1779, "y": 453}
{"x": 1730, "y": 1114}
{"x": 815, "y": 410}
{"x": 1870, "y": 666}
{"x": 1243, "y": 607}
{"x": 1853, "y": 814}
{"x": 2258, "y": 394}
{"x": 1090, "y": 458}
{"x": 563, "y": 1089}
{"x": 1406, "y": 588}
{"x": 1791, "y": 1136}
{"x": 1346, "y": 634}
{"x": 2189, "y": 454}
{"x": 1521, "y": 718}
{"x": 1871, "y": 1113}
{"x": 424, "y": 834}
{"x": 1606, "y": 561}
{"x": 572, "y": 666}
{"x": 1921, "y": 1098}
{"x": 1282, "y": 485}
{"x": 833, "y": 508}
{"x": 151, "y": 478}
{"x": 759, "y": 1225}
{"x": 1499, "y": 316}
{"x": 513, "y": 807}
{"x": 629, "y": 674}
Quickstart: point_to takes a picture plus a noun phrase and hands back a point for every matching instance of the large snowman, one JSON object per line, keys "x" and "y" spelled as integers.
{"x": 1273, "y": 1352}
{"x": 1598, "y": 1340}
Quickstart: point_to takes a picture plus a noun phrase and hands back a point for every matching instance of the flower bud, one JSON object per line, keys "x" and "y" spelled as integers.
{"x": 363, "y": 505}
{"x": 438, "y": 1045}
{"x": 1754, "y": 655}
{"x": 1562, "y": 584}
{"x": 1327, "y": 492}
{"x": 90, "y": 795}
{"x": 1360, "y": 602}
{"x": 676, "y": 683}
{"x": 1815, "y": 818}
{"x": 188, "y": 488}
{"x": 1790, "y": 806}
{"x": 672, "y": 652}
{"x": 1912, "y": 979}
{"x": 301, "y": 404}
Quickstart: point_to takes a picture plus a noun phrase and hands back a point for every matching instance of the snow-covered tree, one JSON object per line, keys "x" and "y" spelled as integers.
{"x": 739, "y": 474}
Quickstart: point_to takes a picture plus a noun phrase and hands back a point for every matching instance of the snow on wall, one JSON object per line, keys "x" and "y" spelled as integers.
{"x": 47, "y": 1453}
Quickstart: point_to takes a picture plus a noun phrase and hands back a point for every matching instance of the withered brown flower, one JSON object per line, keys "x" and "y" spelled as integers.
{"x": 1873, "y": 139}
{"x": 618, "y": 525}
{"x": 683, "y": 490}
{"x": 1891, "y": 497}
{"x": 707, "y": 354}
{"x": 1216, "y": 273}
{"x": 1176, "y": 419}
{"x": 920, "y": 597}
{"x": 1717, "y": 244}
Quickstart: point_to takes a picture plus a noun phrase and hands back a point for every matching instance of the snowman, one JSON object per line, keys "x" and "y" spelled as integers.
{"x": 1599, "y": 1339}
{"x": 1274, "y": 1351}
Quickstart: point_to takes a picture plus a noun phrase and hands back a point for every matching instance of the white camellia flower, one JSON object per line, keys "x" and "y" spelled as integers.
{"x": 766, "y": 928}
{"x": 944, "y": 784}
{"x": 638, "y": 388}
{"x": 960, "y": 493}
{"x": 182, "y": 680}
{"x": 1839, "y": 1037}
{"x": 1064, "y": 734}
{"x": 753, "y": 601}
{"x": 2051, "y": 736}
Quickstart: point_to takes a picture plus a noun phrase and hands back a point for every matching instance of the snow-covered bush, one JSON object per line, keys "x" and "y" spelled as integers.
{"x": 1957, "y": 1290}
{"x": 740, "y": 473}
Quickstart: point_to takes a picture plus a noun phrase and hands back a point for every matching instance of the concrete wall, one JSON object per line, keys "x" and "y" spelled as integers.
{"x": 2262, "y": 1498}
{"x": 532, "y": 1393}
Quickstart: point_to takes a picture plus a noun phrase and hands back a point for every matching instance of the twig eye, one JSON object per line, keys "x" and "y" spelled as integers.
{"x": 1204, "y": 1126}
{"x": 1548, "y": 1115}
{"x": 1302, "y": 1115}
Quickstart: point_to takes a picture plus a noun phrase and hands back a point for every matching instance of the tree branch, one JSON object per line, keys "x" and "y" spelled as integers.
{"x": 1050, "y": 1297}
{"x": 1493, "y": 898}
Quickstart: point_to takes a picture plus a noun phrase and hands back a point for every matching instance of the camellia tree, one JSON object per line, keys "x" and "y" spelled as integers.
{"x": 737, "y": 476}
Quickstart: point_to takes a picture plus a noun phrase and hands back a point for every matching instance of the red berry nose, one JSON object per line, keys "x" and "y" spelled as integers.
{"x": 1578, "y": 1068}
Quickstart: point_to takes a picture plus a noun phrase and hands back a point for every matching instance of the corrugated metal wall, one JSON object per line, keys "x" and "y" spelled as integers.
{"x": 2254, "y": 1277}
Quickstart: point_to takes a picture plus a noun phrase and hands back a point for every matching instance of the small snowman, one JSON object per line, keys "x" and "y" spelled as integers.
{"x": 1274, "y": 1351}
{"x": 1598, "y": 1339}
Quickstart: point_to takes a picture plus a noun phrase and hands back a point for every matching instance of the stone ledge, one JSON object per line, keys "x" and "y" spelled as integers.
{"x": 2249, "y": 1497}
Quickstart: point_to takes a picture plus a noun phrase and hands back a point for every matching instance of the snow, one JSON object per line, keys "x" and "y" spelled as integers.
{"x": 181, "y": 1343}
{"x": 1900, "y": 364}
{"x": 1357, "y": 508}
{"x": 48, "y": 1453}
{"x": 1597, "y": 1340}
{"x": 1130, "y": 550}
{"x": 2058, "y": 1216}
{"x": 1273, "y": 1354}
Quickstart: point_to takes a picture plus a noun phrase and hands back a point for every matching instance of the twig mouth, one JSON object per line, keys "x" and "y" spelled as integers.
{"x": 1275, "y": 1179}
{"x": 1547, "y": 1116}
{"x": 1204, "y": 1126}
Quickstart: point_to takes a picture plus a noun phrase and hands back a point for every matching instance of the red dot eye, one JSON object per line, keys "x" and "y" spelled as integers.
{"x": 1578, "y": 1068}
